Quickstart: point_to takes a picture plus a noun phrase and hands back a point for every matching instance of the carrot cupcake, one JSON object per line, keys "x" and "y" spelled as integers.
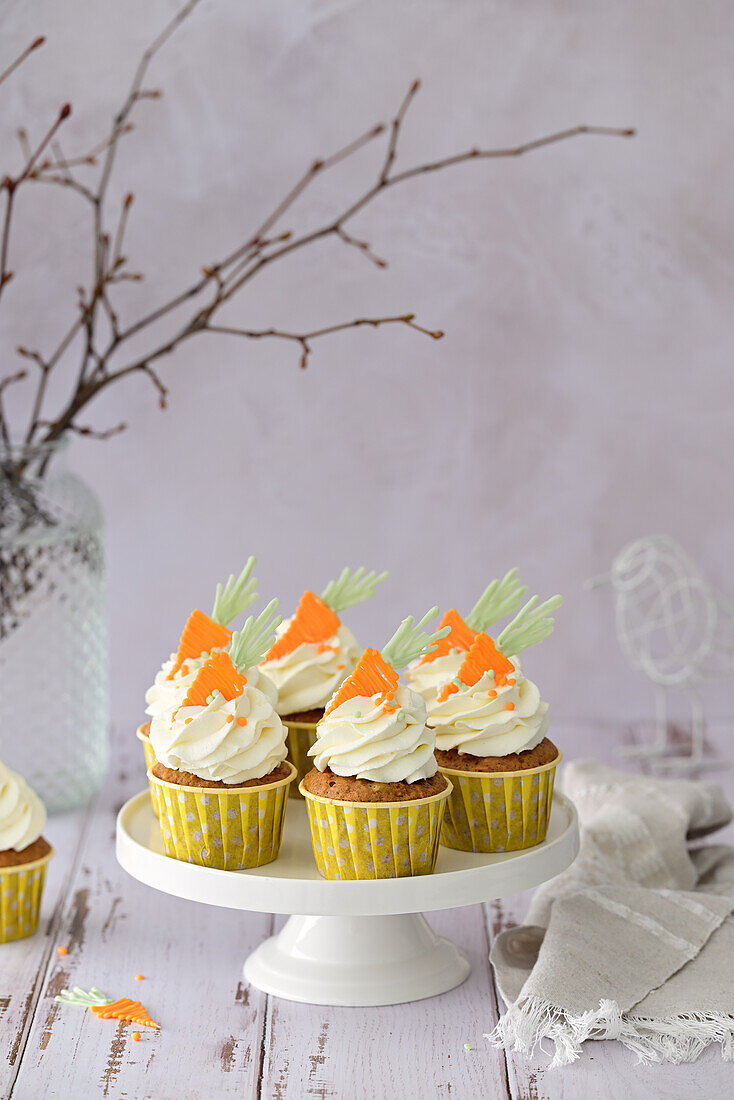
{"x": 375, "y": 797}
{"x": 24, "y": 854}
{"x": 221, "y": 777}
{"x": 202, "y": 635}
{"x": 429, "y": 673}
{"x": 490, "y": 726}
{"x": 312, "y": 656}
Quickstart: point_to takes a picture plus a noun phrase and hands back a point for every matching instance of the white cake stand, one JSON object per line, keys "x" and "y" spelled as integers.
{"x": 349, "y": 943}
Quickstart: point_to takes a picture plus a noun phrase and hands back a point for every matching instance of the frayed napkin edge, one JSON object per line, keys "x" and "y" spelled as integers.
{"x": 672, "y": 1039}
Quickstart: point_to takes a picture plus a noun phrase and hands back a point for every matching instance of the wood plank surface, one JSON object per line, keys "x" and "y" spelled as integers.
{"x": 222, "y": 1038}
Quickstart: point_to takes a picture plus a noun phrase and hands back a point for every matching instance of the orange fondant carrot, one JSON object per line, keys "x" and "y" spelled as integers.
{"x": 200, "y": 635}
{"x": 483, "y": 656}
{"x": 216, "y": 674}
{"x": 124, "y": 1009}
{"x": 372, "y": 676}
{"x": 314, "y": 621}
{"x": 461, "y": 637}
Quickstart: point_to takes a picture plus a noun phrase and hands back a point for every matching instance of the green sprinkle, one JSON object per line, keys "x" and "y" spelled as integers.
{"x": 401, "y": 715}
{"x": 468, "y": 1046}
{"x": 358, "y": 714}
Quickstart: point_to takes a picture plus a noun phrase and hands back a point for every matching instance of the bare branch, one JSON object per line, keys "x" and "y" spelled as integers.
{"x": 362, "y": 246}
{"x": 305, "y": 338}
{"x": 35, "y": 44}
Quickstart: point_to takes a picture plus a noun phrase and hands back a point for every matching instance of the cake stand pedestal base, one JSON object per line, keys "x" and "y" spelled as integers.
{"x": 375, "y": 960}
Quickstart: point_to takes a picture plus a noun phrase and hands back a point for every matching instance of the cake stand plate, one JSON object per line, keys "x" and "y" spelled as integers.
{"x": 347, "y": 943}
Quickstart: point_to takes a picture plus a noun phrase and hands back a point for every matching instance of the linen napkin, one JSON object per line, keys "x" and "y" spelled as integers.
{"x": 635, "y": 941}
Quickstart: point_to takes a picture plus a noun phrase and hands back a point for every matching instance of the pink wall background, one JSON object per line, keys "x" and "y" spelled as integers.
{"x": 582, "y": 395}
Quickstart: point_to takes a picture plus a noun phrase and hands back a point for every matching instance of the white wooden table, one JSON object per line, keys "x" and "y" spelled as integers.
{"x": 220, "y": 1038}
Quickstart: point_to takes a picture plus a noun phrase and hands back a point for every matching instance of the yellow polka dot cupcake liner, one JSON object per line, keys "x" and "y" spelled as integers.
{"x": 498, "y": 811}
{"x": 142, "y": 736}
{"x": 371, "y": 840}
{"x": 21, "y": 889}
{"x": 233, "y": 830}
{"x": 301, "y": 736}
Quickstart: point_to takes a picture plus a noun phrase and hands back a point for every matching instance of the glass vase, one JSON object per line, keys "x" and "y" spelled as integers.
{"x": 53, "y": 627}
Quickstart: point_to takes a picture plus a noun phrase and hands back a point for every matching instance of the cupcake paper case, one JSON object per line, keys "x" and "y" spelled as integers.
{"x": 220, "y": 779}
{"x": 373, "y": 739}
{"x": 311, "y": 657}
{"x": 24, "y": 855}
{"x": 487, "y": 713}
{"x": 202, "y": 635}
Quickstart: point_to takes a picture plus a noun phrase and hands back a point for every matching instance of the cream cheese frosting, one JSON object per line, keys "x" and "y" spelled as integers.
{"x": 428, "y": 677}
{"x": 307, "y": 677}
{"x": 375, "y": 740}
{"x": 230, "y": 741}
{"x": 22, "y": 814}
{"x": 491, "y": 719}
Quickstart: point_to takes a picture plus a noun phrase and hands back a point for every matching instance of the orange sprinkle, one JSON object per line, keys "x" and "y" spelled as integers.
{"x": 184, "y": 670}
{"x": 510, "y": 706}
{"x": 136, "y": 1036}
{"x": 140, "y": 977}
{"x": 446, "y": 690}
{"x": 187, "y": 720}
{"x": 313, "y": 622}
{"x": 511, "y": 683}
{"x": 460, "y": 637}
{"x": 62, "y": 951}
{"x": 492, "y": 693}
{"x": 241, "y": 721}
{"x": 340, "y": 667}
{"x": 200, "y": 635}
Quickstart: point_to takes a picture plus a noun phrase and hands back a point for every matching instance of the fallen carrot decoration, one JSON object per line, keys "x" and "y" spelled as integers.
{"x": 316, "y": 619}
{"x": 106, "y": 1009}
{"x": 125, "y": 1009}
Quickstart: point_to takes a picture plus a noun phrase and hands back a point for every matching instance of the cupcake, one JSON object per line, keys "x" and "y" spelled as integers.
{"x": 202, "y": 635}
{"x": 429, "y": 673}
{"x": 491, "y": 726}
{"x": 23, "y": 856}
{"x": 221, "y": 777}
{"x": 375, "y": 797}
{"x": 313, "y": 654}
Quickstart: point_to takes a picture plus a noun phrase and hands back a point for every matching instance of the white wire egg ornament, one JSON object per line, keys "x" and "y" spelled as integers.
{"x": 674, "y": 628}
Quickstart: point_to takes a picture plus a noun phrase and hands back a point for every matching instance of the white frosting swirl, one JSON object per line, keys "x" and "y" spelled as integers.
{"x": 428, "y": 677}
{"x": 308, "y": 676}
{"x": 477, "y": 720}
{"x": 230, "y": 741}
{"x": 22, "y": 814}
{"x": 363, "y": 738}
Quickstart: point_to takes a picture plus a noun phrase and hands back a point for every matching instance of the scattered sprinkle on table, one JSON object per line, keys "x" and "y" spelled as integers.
{"x": 468, "y": 1046}
{"x": 62, "y": 951}
{"x": 136, "y": 1036}
{"x": 140, "y": 977}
